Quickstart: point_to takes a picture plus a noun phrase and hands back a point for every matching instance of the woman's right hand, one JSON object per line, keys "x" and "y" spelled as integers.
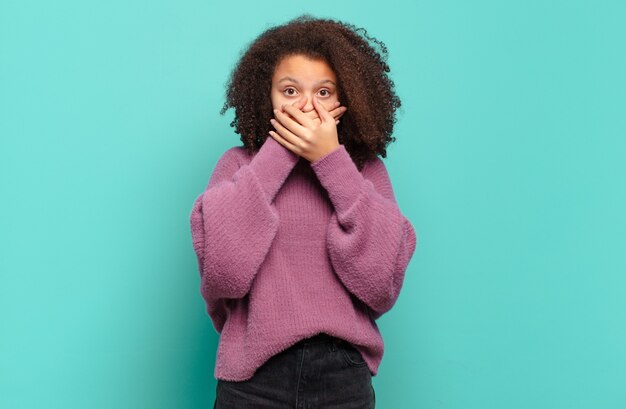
{"x": 336, "y": 110}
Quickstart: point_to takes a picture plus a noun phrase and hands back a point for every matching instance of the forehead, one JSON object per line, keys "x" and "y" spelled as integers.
{"x": 303, "y": 67}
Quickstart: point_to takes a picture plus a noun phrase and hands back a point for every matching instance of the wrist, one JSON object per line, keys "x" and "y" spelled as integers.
{"x": 326, "y": 153}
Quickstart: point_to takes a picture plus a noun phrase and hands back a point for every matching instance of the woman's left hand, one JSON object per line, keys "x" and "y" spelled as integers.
{"x": 302, "y": 135}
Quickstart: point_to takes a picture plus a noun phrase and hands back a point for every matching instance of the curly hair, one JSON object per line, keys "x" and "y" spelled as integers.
{"x": 359, "y": 63}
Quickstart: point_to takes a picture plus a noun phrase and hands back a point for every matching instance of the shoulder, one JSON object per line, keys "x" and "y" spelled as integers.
{"x": 374, "y": 166}
{"x": 234, "y": 157}
{"x": 375, "y": 171}
{"x": 235, "y": 154}
{"x": 228, "y": 164}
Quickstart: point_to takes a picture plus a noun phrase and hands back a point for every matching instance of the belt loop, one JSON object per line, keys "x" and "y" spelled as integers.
{"x": 334, "y": 343}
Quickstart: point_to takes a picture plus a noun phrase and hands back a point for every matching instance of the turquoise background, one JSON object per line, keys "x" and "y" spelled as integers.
{"x": 509, "y": 161}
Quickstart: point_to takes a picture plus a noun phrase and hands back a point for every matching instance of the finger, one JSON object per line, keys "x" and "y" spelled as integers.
{"x": 314, "y": 117}
{"x": 283, "y": 141}
{"x": 312, "y": 114}
{"x": 292, "y": 118}
{"x": 338, "y": 112}
{"x": 335, "y": 113}
{"x": 335, "y": 110}
{"x": 321, "y": 110}
{"x": 283, "y": 131}
{"x": 300, "y": 103}
{"x": 299, "y": 116}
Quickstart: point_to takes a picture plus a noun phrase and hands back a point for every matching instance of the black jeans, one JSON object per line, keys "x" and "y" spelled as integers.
{"x": 321, "y": 372}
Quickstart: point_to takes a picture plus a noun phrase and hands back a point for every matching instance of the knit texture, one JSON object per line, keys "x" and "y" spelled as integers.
{"x": 287, "y": 249}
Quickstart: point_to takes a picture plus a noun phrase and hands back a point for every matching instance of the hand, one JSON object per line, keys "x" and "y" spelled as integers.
{"x": 311, "y": 138}
{"x": 336, "y": 110}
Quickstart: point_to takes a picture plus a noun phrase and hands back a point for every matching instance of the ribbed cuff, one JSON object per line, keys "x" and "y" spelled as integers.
{"x": 272, "y": 164}
{"x": 339, "y": 175}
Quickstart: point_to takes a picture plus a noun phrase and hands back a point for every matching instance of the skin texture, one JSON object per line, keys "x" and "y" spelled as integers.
{"x": 304, "y": 92}
{"x": 358, "y": 62}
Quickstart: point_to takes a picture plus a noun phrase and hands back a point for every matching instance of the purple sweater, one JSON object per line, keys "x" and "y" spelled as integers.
{"x": 287, "y": 249}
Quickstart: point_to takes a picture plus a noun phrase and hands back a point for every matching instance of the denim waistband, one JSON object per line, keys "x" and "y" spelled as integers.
{"x": 321, "y": 338}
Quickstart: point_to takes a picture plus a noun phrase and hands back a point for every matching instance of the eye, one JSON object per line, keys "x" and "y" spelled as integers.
{"x": 326, "y": 91}
{"x": 286, "y": 91}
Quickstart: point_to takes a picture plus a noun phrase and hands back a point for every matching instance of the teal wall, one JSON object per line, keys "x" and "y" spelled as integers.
{"x": 509, "y": 161}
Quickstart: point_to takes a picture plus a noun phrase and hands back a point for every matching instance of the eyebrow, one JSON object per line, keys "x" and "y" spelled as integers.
{"x": 294, "y": 80}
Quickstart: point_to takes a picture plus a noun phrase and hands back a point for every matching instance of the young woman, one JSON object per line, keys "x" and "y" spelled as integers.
{"x": 300, "y": 243}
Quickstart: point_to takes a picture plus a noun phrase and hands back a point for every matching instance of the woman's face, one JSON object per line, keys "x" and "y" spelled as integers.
{"x": 296, "y": 76}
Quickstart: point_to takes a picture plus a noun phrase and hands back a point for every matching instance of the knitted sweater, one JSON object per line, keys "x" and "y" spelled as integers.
{"x": 287, "y": 249}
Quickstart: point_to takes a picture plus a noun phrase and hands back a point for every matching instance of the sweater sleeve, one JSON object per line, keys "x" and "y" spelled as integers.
{"x": 370, "y": 242}
{"x": 234, "y": 221}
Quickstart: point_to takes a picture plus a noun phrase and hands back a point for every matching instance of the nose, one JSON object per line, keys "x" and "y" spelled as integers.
{"x": 309, "y": 104}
